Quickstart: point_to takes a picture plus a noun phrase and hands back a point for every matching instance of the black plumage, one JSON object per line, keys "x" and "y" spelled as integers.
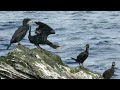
{"x": 110, "y": 72}
{"x": 43, "y": 27}
{"x": 20, "y": 32}
{"x": 42, "y": 39}
{"x": 82, "y": 56}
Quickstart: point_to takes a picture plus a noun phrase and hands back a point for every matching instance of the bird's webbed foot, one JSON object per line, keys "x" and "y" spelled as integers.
{"x": 81, "y": 65}
{"x": 39, "y": 48}
{"x": 19, "y": 43}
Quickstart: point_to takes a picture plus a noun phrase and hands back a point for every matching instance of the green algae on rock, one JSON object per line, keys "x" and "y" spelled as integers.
{"x": 25, "y": 63}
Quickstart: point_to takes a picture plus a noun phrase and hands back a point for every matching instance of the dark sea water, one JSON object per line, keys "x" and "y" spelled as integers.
{"x": 74, "y": 29}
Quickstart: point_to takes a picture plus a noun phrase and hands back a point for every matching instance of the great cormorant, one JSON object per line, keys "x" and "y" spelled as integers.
{"x": 82, "y": 56}
{"x": 21, "y": 32}
{"x": 110, "y": 72}
{"x": 42, "y": 38}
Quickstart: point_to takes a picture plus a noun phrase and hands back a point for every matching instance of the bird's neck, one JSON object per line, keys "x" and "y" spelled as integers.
{"x": 86, "y": 50}
{"x": 25, "y": 24}
{"x": 112, "y": 67}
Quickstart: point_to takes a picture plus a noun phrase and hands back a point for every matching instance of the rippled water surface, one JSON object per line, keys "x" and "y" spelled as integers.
{"x": 74, "y": 29}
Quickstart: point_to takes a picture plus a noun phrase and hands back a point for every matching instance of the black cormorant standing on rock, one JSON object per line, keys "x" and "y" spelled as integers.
{"x": 82, "y": 56}
{"x": 42, "y": 38}
{"x": 21, "y": 32}
{"x": 110, "y": 72}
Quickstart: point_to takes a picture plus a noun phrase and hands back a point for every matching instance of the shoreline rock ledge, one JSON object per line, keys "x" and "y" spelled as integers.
{"x": 25, "y": 63}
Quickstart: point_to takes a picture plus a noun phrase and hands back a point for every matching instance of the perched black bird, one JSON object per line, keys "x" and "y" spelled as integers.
{"x": 42, "y": 39}
{"x": 43, "y": 27}
{"x": 110, "y": 72}
{"x": 82, "y": 56}
{"x": 21, "y": 32}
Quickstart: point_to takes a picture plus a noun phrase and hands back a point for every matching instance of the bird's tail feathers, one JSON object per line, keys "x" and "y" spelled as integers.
{"x": 8, "y": 46}
{"x": 73, "y": 58}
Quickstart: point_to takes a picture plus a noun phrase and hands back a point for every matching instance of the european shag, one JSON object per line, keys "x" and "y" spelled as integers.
{"x": 42, "y": 39}
{"x": 110, "y": 72}
{"x": 43, "y": 27}
{"x": 21, "y": 32}
{"x": 82, "y": 56}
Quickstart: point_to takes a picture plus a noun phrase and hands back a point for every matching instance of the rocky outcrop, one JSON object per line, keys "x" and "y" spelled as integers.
{"x": 25, "y": 63}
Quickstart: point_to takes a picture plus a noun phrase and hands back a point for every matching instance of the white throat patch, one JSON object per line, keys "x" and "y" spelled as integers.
{"x": 30, "y": 22}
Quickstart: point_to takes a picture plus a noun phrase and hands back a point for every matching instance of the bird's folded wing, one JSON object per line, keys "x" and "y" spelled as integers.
{"x": 20, "y": 29}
